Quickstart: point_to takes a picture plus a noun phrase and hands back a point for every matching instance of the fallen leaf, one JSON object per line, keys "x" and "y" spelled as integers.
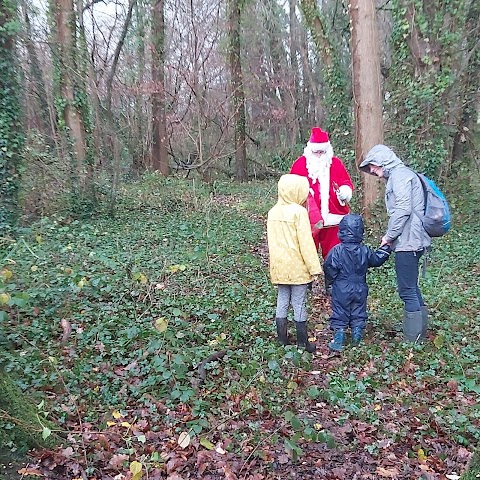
{"x": 67, "y": 452}
{"x": 388, "y": 473}
{"x": 30, "y": 471}
{"x": 117, "y": 460}
{"x": 136, "y": 469}
{"x": 421, "y": 455}
{"x": 291, "y": 386}
{"x": 207, "y": 443}
{"x": 463, "y": 453}
{"x": 6, "y": 273}
{"x": 229, "y": 475}
{"x": 220, "y": 450}
{"x": 116, "y": 415}
{"x": 184, "y": 440}
{"x": 438, "y": 341}
{"x": 161, "y": 324}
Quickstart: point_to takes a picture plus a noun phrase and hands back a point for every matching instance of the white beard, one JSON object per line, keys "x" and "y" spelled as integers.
{"x": 318, "y": 168}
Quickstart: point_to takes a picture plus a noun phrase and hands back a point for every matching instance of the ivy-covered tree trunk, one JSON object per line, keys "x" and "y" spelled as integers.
{"x": 238, "y": 94}
{"x": 141, "y": 127}
{"x": 39, "y": 108}
{"x": 11, "y": 136}
{"x": 19, "y": 419}
{"x": 96, "y": 131}
{"x": 336, "y": 86}
{"x": 366, "y": 90}
{"x": 65, "y": 57}
{"x": 276, "y": 60}
{"x": 467, "y": 135}
{"x": 432, "y": 41}
{"x": 298, "y": 124}
{"x": 159, "y": 141}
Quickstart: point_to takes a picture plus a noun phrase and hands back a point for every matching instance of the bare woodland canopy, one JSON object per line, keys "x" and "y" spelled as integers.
{"x": 112, "y": 88}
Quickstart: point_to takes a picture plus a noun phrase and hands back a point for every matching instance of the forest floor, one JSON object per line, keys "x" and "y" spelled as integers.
{"x": 147, "y": 337}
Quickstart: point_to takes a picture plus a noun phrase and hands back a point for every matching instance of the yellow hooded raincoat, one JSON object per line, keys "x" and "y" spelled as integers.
{"x": 293, "y": 256}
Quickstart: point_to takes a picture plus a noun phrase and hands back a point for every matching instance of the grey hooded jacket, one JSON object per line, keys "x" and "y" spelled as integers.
{"x": 403, "y": 196}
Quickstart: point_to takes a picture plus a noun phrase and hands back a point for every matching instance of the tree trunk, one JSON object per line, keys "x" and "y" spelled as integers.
{"x": 312, "y": 17}
{"x": 238, "y": 95}
{"x": 93, "y": 93}
{"x": 19, "y": 410}
{"x": 11, "y": 138}
{"x": 366, "y": 90}
{"x": 64, "y": 14}
{"x": 313, "y": 112}
{"x": 467, "y": 125}
{"x": 159, "y": 145}
{"x": 41, "y": 115}
{"x": 140, "y": 130}
{"x": 297, "y": 129}
{"x": 336, "y": 91}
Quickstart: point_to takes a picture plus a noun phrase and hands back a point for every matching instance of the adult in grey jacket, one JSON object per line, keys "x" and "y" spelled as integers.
{"x": 404, "y": 199}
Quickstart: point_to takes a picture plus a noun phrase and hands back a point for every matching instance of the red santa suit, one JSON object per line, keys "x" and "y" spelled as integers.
{"x": 330, "y": 188}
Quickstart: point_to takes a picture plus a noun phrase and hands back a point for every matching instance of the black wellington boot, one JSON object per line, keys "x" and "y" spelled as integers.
{"x": 302, "y": 337}
{"x": 282, "y": 336}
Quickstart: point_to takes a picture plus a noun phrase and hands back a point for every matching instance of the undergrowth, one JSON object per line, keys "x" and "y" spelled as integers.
{"x": 106, "y": 314}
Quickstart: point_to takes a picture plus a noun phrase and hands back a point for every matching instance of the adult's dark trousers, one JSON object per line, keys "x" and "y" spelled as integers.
{"x": 406, "y": 267}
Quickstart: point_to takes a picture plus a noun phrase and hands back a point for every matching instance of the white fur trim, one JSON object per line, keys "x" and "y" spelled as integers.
{"x": 324, "y": 147}
{"x": 332, "y": 219}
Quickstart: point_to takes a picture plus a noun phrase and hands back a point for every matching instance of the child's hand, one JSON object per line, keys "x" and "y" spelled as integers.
{"x": 386, "y": 248}
{"x": 385, "y": 242}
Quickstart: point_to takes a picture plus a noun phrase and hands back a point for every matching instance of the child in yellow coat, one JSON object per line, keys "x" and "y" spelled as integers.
{"x": 294, "y": 261}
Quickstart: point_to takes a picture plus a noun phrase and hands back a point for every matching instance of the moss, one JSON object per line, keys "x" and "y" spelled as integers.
{"x": 473, "y": 472}
{"x": 19, "y": 412}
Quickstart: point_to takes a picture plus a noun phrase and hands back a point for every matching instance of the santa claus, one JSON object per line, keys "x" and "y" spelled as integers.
{"x": 330, "y": 189}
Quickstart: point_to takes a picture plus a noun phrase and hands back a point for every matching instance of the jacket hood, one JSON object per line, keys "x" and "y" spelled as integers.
{"x": 292, "y": 189}
{"x": 351, "y": 229}
{"x": 382, "y": 156}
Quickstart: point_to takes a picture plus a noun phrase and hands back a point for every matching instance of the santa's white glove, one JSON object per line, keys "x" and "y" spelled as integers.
{"x": 344, "y": 194}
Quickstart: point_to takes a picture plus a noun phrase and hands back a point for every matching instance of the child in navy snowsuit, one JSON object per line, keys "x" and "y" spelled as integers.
{"x": 345, "y": 271}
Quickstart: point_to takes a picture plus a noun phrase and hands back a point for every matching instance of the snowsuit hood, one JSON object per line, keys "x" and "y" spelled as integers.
{"x": 292, "y": 189}
{"x": 351, "y": 229}
{"x": 381, "y": 156}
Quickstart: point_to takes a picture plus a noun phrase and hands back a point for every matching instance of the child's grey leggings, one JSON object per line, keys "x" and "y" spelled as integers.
{"x": 296, "y": 295}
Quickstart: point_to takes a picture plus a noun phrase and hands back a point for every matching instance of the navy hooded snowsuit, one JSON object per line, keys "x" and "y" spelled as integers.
{"x": 345, "y": 270}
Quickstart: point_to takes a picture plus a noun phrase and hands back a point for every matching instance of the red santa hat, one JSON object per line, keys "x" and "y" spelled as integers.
{"x": 319, "y": 140}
